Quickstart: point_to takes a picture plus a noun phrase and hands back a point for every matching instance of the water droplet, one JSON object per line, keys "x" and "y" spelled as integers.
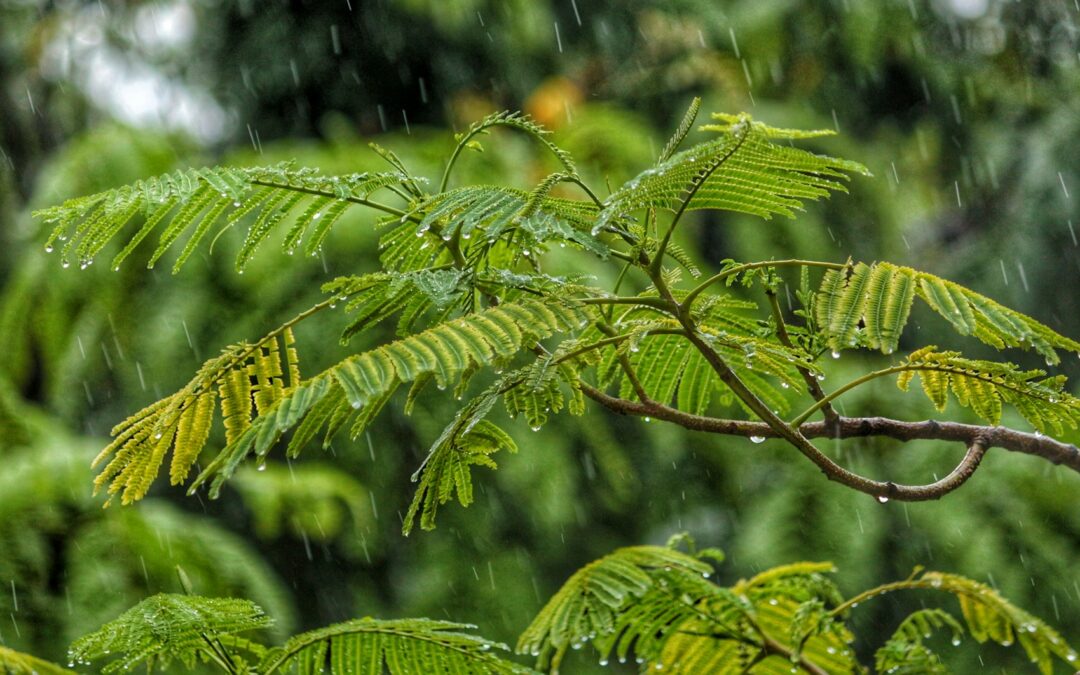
{"x": 956, "y": 642}
{"x": 785, "y": 385}
{"x": 49, "y": 248}
{"x": 65, "y": 264}
{"x": 536, "y": 428}
{"x": 757, "y": 439}
{"x": 882, "y": 499}
{"x": 261, "y": 467}
{"x": 317, "y": 215}
{"x": 835, "y": 354}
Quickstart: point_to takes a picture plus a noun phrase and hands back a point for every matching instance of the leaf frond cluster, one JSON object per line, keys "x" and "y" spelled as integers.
{"x": 168, "y": 627}
{"x": 400, "y": 647}
{"x": 189, "y": 203}
{"x": 869, "y": 305}
{"x": 988, "y": 616}
{"x": 741, "y": 170}
{"x": 983, "y": 386}
{"x": 657, "y": 605}
{"x": 244, "y": 380}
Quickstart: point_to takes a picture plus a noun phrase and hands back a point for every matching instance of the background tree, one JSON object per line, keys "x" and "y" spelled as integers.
{"x": 1005, "y": 71}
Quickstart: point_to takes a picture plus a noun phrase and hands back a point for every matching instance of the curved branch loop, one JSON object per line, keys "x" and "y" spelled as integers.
{"x": 979, "y": 439}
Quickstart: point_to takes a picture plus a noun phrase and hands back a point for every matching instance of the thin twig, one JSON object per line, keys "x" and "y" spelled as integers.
{"x": 812, "y": 384}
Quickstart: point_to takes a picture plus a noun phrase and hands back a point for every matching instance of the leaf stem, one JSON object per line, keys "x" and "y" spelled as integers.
{"x": 824, "y": 401}
{"x": 385, "y": 208}
{"x": 695, "y": 185}
{"x": 738, "y": 269}
{"x": 648, "y": 301}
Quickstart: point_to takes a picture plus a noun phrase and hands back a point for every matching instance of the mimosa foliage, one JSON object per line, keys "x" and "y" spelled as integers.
{"x": 653, "y": 604}
{"x": 168, "y": 629}
{"x": 656, "y": 605}
{"x": 463, "y": 277}
{"x": 372, "y": 647}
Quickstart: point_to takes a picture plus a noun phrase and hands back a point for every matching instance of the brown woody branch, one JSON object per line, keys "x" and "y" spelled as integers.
{"x": 978, "y": 440}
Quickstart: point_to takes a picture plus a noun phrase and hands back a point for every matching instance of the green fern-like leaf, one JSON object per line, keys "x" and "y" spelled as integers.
{"x": 681, "y": 131}
{"x": 168, "y": 627}
{"x": 193, "y": 201}
{"x": 447, "y": 471}
{"x": 670, "y": 369}
{"x": 523, "y": 123}
{"x": 488, "y": 213}
{"x": 397, "y": 647}
{"x": 445, "y": 351}
{"x": 868, "y": 305}
{"x": 905, "y": 652}
{"x": 360, "y": 386}
{"x": 17, "y": 663}
{"x": 989, "y": 616}
{"x": 588, "y": 604}
{"x": 743, "y": 170}
{"x": 983, "y": 386}
{"x": 244, "y": 380}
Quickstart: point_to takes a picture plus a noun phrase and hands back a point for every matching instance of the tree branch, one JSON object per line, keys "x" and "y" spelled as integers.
{"x": 978, "y": 438}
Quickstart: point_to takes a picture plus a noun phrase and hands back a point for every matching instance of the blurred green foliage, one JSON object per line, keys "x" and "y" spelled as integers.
{"x": 965, "y": 112}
